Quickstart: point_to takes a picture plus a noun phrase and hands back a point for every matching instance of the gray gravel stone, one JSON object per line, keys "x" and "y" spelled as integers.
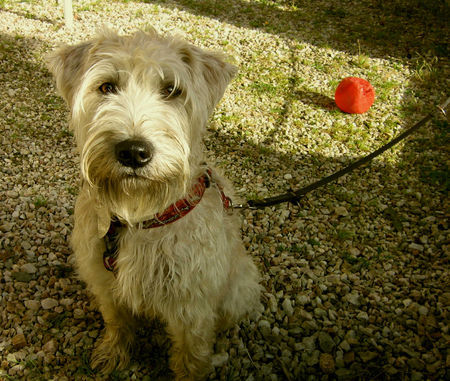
{"x": 309, "y": 343}
{"x": 311, "y": 359}
{"x": 423, "y": 310}
{"x": 362, "y": 316}
{"x": 28, "y": 268}
{"x": 264, "y": 327}
{"x": 78, "y": 313}
{"x": 219, "y": 359}
{"x": 50, "y": 346}
{"x": 326, "y": 343}
{"x": 287, "y": 307}
{"x": 367, "y": 356}
{"x": 49, "y": 303}
{"x": 344, "y": 345}
{"x": 32, "y": 304}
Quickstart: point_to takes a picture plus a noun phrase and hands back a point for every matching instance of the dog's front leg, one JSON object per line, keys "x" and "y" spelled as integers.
{"x": 191, "y": 348}
{"x": 112, "y": 350}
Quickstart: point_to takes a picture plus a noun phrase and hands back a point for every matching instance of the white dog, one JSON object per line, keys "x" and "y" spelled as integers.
{"x": 154, "y": 235}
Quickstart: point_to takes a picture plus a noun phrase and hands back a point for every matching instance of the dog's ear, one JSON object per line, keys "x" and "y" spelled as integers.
{"x": 216, "y": 72}
{"x": 67, "y": 65}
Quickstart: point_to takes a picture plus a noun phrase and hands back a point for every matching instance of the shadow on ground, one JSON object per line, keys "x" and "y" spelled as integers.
{"x": 395, "y": 28}
{"x": 338, "y": 24}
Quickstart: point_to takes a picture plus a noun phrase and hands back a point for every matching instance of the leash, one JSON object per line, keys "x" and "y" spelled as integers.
{"x": 294, "y": 197}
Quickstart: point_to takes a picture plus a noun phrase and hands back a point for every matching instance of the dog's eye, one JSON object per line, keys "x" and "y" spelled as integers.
{"x": 170, "y": 91}
{"x": 108, "y": 88}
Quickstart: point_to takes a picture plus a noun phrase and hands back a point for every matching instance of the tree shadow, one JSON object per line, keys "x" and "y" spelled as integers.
{"x": 33, "y": 17}
{"x": 395, "y": 28}
{"x": 379, "y": 183}
{"x": 377, "y": 189}
{"x": 315, "y": 99}
{"x": 414, "y": 33}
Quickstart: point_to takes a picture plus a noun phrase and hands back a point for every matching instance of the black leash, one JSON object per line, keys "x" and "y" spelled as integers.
{"x": 294, "y": 197}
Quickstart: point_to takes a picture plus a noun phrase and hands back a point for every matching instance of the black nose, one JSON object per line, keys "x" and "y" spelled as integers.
{"x": 134, "y": 153}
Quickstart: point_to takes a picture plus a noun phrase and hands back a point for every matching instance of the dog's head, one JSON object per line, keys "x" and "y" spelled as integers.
{"x": 139, "y": 105}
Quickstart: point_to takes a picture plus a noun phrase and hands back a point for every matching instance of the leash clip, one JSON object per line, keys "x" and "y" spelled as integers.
{"x": 443, "y": 106}
{"x": 244, "y": 206}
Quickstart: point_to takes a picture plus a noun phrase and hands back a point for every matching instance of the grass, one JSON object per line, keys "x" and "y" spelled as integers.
{"x": 84, "y": 368}
{"x": 72, "y": 190}
{"x": 358, "y": 263}
{"x": 385, "y": 89}
{"x": 344, "y": 235}
{"x": 40, "y": 201}
{"x": 35, "y": 371}
{"x": 313, "y": 242}
{"x": 93, "y": 6}
{"x": 264, "y": 88}
{"x": 394, "y": 217}
{"x": 426, "y": 69}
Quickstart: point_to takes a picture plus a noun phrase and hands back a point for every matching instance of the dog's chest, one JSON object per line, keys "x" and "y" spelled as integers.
{"x": 160, "y": 268}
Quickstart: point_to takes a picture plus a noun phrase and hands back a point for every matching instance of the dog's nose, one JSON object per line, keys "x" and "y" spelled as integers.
{"x": 134, "y": 153}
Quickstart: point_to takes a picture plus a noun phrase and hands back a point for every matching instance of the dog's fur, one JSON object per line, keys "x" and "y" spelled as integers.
{"x": 194, "y": 273}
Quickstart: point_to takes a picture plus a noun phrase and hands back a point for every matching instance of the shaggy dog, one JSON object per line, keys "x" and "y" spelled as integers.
{"x": 154, "y": 234}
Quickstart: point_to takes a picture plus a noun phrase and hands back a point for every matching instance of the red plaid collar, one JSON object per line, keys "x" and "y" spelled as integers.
{"x": 173, "y": 213}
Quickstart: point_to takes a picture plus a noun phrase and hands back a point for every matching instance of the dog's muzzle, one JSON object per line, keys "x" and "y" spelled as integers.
{"x": 134, "y": 153}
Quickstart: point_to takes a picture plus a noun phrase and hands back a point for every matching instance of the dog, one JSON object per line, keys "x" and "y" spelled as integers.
{"x": 154, "y": 232}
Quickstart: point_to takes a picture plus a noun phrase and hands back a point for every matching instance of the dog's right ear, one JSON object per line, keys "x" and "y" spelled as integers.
{"x": 67, "y": 64}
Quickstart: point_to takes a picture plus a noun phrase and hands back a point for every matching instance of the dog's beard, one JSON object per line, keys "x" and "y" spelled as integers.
{"x": 135, "y": 199}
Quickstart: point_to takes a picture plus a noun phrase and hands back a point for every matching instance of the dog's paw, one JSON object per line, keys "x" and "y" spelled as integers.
{"x": 106, "y": 357}
{"x": 188, "y": 367}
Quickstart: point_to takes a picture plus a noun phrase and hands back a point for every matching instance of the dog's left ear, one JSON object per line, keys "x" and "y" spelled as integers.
{"x": 67, "y": 64}
{"x": 216, "y": 72}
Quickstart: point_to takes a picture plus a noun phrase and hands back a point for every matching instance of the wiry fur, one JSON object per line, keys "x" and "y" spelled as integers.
{"x": 194, "y": 273}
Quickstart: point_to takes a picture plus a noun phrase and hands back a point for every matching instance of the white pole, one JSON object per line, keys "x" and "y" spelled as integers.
{"x": 68, "y": 13}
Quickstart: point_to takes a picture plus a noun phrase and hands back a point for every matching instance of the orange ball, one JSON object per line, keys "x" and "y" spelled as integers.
{"x": 354, "y": 95}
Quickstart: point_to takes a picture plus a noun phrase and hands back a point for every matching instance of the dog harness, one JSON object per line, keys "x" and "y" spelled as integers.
{"x": 173, "y": 213}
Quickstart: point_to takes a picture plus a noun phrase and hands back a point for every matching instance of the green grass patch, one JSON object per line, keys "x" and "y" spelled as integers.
{"x": 94, "y": 6}
{"x": 384, "y": 90}
{"x": 426, "y": 70}
{"x": 313, "y": 242}
{"x": 264, "y": 88}
{"x": 344, "y": 235}
{"x": 72, "y": 190}
{"x": 40, "y": 201}
{"x": 357, "y": 263}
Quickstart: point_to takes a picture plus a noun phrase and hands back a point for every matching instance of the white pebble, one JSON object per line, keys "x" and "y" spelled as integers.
{"x": 287, "y": 307}
{"x": 28, "y": 268}
{"x": 219, "y": 359}
{"x": 32, "y": 304}
{"x": 49, "y": 303}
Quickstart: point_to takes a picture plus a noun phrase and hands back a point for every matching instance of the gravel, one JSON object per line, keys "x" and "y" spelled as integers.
{"x": 356, "y": 277}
